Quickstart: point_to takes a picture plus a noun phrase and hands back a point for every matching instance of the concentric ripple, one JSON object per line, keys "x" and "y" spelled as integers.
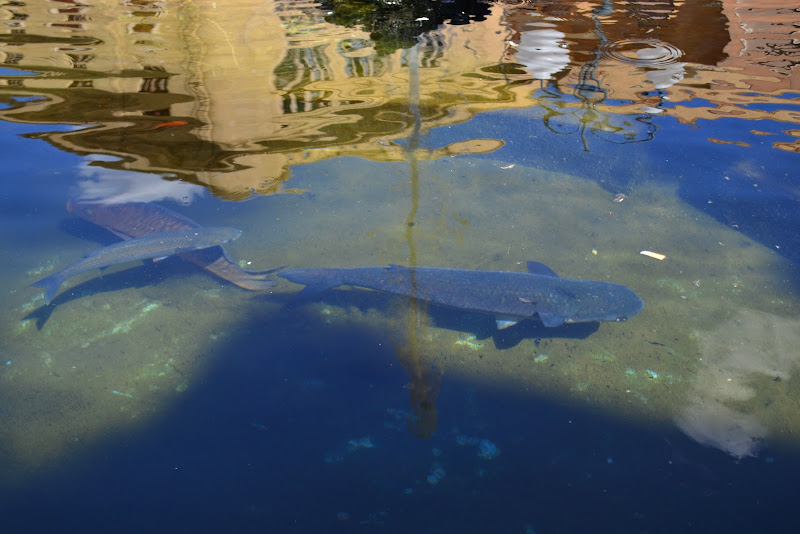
{"x": 642, "y": 52}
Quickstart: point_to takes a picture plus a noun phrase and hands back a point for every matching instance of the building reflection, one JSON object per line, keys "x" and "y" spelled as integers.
{"x": 233, "y": 98}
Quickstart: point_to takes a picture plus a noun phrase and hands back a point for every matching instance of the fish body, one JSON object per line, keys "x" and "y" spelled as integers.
{"x": 155, "y": 245}
{"x": 508, "y": 296}
{"x": 136, "y": 219}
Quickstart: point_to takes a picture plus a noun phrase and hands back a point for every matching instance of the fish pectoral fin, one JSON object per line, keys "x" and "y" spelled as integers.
{"x": 119, "y": 234}
{"x": 160, "y": 258}
{"x": 505, "y": 322}
{"x": 551, "y": 319}
{"x": 534, "y": 267}
{"x": 311, "y": 290}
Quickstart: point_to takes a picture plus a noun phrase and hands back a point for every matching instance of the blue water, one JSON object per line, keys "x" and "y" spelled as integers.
{"x": 763, "y": 207}
{"x": 153, "y": 397}
{"x": 245, "y": 450}
{"x": 290, "y": 432}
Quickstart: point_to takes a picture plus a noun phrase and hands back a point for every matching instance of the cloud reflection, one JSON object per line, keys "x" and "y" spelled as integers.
{"x": 107, "y": 186}
{"x": 543, "y": 52}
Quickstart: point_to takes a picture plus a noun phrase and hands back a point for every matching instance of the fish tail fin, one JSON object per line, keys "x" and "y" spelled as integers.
{"x": 50, "y": 284}
{"x": 253, "y": 283}
{"x": 315, "y": 280}
{"x": 257, "y": 280}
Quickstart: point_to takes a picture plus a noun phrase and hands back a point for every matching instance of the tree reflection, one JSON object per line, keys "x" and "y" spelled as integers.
{"x": 424, "y": 386}
{"x": 424, "y": 380}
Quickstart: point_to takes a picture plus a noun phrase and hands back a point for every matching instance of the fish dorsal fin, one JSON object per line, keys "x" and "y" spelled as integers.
{"x": 534, "y": 267}
{"x": 551, "y": 319}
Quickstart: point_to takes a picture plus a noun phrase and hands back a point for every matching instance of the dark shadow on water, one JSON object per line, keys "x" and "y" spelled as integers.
{"x": 297, "y": 428}
{"x": 90, "y": 232}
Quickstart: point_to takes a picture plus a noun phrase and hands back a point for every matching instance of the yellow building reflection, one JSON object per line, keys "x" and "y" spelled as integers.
{"x": 232, "y": 96}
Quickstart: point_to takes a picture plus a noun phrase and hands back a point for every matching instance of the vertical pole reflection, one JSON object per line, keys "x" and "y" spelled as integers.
{"x": 424, "y": 379}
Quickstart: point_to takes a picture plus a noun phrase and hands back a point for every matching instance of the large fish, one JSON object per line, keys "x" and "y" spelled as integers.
{"x": 508, "y": 296}
{"x": 135, "y": 219}
{"x": 156, "y": 245}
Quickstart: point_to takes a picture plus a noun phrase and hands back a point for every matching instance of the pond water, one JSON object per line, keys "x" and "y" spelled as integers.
{"x": 651, "y": 145}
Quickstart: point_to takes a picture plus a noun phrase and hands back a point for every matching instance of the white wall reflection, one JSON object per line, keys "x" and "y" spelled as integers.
{"x": 544, "y": 52}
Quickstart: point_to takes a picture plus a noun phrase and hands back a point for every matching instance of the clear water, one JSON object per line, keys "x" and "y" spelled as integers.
{"x": 156, "y": 397}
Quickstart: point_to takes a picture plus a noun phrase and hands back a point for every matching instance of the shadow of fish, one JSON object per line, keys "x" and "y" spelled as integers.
{"x": 508, "y": 296}
{"x": 136, "y": 219}
{"x": 158, "y": 245}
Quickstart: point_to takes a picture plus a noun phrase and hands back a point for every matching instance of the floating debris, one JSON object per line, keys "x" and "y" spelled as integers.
{"x": 466, "y": 440}
{"x": 436, "y": 475}
{"x": 655, "y": 255}
{"x": 333, "y": 458}
{"x": 375, "y": 519}
{"x": 619, "y": 198}
{"x": 486, "y": 448}
{"x": 360, "y": 443}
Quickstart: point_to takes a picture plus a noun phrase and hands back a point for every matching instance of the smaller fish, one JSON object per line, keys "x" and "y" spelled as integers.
{"x": 157, "y": 245}
{"x": 170, "y": 124}
{"x": 137, "y": 219}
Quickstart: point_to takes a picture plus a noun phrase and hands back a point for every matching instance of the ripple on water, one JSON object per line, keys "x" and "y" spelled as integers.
{"x": 642, "y": 52}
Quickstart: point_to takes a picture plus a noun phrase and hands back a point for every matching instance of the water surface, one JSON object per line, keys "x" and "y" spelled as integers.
{"x": 154, "y": 396}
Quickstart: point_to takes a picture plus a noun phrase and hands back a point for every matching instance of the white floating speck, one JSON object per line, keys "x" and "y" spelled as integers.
{"x": 655, "y": 255}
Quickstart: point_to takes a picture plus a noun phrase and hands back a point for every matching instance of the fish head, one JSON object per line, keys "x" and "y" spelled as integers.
{"x": 604, "y": 302}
